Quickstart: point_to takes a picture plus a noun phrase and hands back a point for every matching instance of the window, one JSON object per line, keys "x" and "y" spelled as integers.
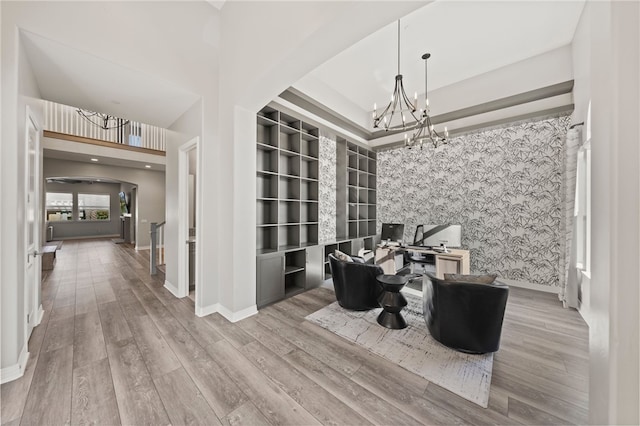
{"x": 94, "y": 206}
{"x": 59, "y": 206}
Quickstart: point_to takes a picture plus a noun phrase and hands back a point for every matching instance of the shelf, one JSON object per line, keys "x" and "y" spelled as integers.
{"x": 269, "y": 113}
{"x": 309, "y": 234}
{"x": 265, "y": 147}
{"x": 289, "y": 164}
{"x": 288, "y": 236}
{"x": 267, "y": 239}
{"x": 289, "y": 212}
{"x": 309, "y": 130}
{"x": 289, "y": 121}
{"x": 266, "y": 212}
{"x": 289, "y": 188}
{"x": 309, "y": 168}
{"x": 267, "y": 161}
{"x": 308, "y": 212}
{"x": 292, "y": 269}
{"x": 267, "y": 186}
{"x": 309, "y": 190}
{"x": 267, "y": 132}
{"x": 309, "y": 145}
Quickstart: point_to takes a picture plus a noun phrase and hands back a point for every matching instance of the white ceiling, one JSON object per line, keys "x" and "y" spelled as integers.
{"x": 82, "y": 79}
{"x": 465, "y": 39}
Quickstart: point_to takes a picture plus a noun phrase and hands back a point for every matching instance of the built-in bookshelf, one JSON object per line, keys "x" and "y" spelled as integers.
{"x": 356, "y": 213}
{"x": 287, "y": 182}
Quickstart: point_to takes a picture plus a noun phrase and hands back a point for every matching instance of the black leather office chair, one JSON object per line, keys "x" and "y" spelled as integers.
{"x": 465, "y": 316}
{"x": 355, "y": 284}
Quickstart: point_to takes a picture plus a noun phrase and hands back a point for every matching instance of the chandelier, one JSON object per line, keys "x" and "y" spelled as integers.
{"x": 393, "y": 116}
{"x": 425, "y": 131}
{"x": 104, "y": 121}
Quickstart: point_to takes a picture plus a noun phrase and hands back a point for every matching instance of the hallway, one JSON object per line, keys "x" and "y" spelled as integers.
{"x": 115, "y": 347}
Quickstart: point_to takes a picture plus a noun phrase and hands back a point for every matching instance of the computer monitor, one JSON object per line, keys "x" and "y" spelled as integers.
{"x": 393, "y": 232}
{"x": 438, "y": 235}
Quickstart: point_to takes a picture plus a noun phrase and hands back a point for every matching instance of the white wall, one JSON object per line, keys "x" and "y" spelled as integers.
{"x": 607, "y": 63}
{"x": 150, "y": 183}
{"x": 185, "y": 128}
{"x": 249, "y": 79}
{"x": 87, "y": 228}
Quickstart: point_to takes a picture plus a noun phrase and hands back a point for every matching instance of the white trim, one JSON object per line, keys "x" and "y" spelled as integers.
{"x": 172, "y": 288}
{"x": 31, "y": 289}
{"x": 39, "y": 315}
{"x": 86, "y": 237}
{"x": 239, "y": 315}
{"x": 183, "y": 213}
{"x": 15, "y": 371}
{"x": 231, "y": 316}
{"x": 207, "y": 310}
{"x": 143, "y": 248}
{"x": 531, "y": 286}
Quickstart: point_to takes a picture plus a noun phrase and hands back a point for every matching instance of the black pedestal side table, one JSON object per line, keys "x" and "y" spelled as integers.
{"x": 392, "y": 301}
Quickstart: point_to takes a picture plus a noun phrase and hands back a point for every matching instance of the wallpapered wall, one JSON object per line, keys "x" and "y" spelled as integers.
{"x": 327, "y": 188}
{"x": 504, "y": 186}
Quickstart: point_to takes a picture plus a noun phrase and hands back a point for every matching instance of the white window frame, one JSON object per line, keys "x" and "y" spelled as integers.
{"x": 83, "y": 208}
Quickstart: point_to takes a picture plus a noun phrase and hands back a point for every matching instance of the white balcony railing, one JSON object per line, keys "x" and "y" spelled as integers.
{"x": 66, "y": 119}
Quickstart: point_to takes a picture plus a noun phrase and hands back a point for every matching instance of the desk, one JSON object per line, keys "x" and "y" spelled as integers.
{"x": 455, "y": 261}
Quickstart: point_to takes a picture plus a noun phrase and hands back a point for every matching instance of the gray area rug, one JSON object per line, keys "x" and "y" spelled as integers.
{"x": 412, "y": 348}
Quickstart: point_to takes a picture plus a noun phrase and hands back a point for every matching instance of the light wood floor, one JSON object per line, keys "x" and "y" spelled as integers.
{"x": 115, "y": 347}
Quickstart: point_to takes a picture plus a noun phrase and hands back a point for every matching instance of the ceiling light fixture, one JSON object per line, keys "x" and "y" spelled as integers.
{"x": 94, "y": 159}
{"x": 425, "y": 131}
{"x": 104, "y": 121}
{"x": 147, "y": 166}
{"x": 393, "y": 116}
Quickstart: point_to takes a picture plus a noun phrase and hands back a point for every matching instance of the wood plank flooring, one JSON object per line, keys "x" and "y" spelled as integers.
{"x": 115, "y": 347}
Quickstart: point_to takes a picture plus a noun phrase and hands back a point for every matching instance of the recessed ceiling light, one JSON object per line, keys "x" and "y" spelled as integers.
{"x": 94, "y": 159}
{"x": 147, "y": 166}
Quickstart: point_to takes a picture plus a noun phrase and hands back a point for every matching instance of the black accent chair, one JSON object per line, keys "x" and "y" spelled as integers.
{"x": 465, "y": 316}
{"x": 355, "y": 284}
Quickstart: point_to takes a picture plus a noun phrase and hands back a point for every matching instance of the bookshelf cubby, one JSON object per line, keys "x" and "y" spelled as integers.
{"x": 356, "y": 190}
{"x": 290, "y": 258}
{"x": 288, "y": 153}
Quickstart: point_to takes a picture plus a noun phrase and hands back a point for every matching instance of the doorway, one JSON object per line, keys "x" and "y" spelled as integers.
{"x": 188, "y": 162}
{"x": 33, "y": 262}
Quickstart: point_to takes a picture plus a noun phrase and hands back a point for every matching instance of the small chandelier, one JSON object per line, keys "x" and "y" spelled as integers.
{"x": 398, "y": 106}
{"x": 104, "y": 121}
{"x": 425, "y": 131}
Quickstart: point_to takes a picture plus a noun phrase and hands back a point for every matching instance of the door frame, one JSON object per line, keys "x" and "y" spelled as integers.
{"x": 32, "y": 304}
{"x": 183, "y": 217}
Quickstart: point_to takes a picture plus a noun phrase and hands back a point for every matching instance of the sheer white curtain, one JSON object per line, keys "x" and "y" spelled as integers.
{"x": 569, "y": 279}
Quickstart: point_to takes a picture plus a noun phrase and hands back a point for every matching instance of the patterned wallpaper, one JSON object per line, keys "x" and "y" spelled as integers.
{"x": 503, "y": 185}
{"x": 327, "y": 188}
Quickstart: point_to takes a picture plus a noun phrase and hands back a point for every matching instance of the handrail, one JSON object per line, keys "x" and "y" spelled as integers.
{"x": 156, "y": 257}
{"x": 66, "y": 119}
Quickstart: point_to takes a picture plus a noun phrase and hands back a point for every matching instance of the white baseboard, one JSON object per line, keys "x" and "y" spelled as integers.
{"x": 39, "y": 316}
{"x": 15, "y": 371}
{"x": 530, "y": 286}
{"x": 138, "y": 248}
{"x": 87, "y": 237}
{"x": 231, "y": 316}
{"x": 172, "y": 288}
{"x": 207, "y": 310}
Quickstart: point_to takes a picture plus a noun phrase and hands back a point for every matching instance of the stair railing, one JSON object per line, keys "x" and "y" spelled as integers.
{"x": 156, "y": 255}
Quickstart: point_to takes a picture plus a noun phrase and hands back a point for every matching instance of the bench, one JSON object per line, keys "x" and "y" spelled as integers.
{"x": 49, "y": 256}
